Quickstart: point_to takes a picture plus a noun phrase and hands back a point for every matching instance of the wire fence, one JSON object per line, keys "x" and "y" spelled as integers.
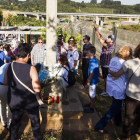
{"x": 124, "y": 37}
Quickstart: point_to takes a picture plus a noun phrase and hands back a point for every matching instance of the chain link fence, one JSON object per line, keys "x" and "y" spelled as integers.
{"x": 124, "y": 37}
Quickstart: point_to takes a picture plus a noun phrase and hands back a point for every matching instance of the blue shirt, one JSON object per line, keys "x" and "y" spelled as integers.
{"x": 2, "y": 71}
{"x": 2, "y": 58}
{"x": 94, "y": 67}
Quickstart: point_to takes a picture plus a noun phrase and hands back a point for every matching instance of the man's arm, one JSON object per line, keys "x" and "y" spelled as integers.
{"x": 100, "y": 38}
{"x": 75, "y": 64}
{"x": 89, "y": 79}
{"x": 4, "y": 58}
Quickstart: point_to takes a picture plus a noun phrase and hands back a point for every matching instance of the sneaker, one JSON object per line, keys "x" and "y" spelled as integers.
{"x": 104, "y": 94}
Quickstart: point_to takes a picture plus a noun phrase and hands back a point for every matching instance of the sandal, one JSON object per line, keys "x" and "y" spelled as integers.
{"x": 101, "y": 131}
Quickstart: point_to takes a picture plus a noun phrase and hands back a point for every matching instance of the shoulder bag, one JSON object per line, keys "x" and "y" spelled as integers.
{"x": 36, "y": 94}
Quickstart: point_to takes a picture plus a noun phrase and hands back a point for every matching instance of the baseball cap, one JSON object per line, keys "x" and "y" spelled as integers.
{"x": 113, "y": 37}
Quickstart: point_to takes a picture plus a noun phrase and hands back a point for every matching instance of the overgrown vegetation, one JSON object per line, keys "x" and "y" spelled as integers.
{"x": 66, "y": 36}
{"x": 135, "y": 28}
{"x": 21, "y": 20}
{"x": 106, "y": 6}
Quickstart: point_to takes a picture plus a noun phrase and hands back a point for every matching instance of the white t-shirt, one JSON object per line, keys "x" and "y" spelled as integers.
{"x": 14, "y": 42}
{"x": 58, "y": 54}
{"x": 72, "y": 56}
{"x": 64, "y": 73}
{"x": 116, "y": 88}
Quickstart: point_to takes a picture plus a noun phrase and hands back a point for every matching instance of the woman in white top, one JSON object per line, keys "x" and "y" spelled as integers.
{"x": 60, "y": 49}
{"x": 65, "y": 68}
{"x": 116, "y": 89}
{"x": 73, "y": 57}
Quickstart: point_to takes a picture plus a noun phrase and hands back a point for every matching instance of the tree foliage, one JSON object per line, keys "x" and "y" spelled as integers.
{"x": 1, "y": 16}
{"x": 105, "y": 6}
{"x": 93, "y": 2}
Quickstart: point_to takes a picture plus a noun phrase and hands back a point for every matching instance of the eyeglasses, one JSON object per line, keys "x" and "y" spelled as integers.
{"x": 39, "y": 42}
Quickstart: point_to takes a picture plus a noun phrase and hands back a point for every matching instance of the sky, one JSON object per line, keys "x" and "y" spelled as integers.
{"x": 124, "y": 2}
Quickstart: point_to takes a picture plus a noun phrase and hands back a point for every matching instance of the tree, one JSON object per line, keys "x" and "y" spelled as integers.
{"x": 107, "y": 2}
{"x": 93, "y": 2}
{"x": 1, "y": 16}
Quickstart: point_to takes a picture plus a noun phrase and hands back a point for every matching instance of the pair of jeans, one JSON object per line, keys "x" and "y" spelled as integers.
{"x": 33, "y": 114}
{"x": 114, "y": 111}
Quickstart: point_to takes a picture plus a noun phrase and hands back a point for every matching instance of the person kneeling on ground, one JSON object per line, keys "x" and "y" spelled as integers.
{"x": 116, "y": 87}
{"x": 93, "y": 78}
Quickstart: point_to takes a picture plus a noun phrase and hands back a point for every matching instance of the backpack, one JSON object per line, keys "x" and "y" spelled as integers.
{"x": 71, "y": 77}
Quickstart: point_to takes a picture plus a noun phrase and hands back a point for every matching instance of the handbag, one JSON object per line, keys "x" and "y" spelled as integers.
{"x": 37, "y": 95}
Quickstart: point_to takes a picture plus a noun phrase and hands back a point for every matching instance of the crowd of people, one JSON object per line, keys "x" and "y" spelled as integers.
{"x": 21, "y": 61}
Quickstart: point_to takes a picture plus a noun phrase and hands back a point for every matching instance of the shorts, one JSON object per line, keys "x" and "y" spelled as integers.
{"x": 104, "y": 72}
{"x": 92, "y": 90}
{"x": 75, "y": 71}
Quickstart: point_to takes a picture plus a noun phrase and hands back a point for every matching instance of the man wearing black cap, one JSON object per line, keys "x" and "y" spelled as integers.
{"x": 106, "y": 54}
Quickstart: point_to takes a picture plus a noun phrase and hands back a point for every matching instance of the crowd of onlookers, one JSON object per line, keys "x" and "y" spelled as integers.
{"x": 121, "y": 76}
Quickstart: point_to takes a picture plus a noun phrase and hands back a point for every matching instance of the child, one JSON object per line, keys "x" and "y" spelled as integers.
{"x": 73, "y": 57}
{"x": 65, "y": 65}
{"x": 60, "y": 49}
{"x": 93, "y": 78}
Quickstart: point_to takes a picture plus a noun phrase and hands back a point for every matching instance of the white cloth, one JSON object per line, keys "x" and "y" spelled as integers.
{"x": 92, "y": 91}
{"x": 6, "y": 53}
{"x": 116, "y": 88}
{"x": 72, "y": 56}
{"x": 64, "y": 73}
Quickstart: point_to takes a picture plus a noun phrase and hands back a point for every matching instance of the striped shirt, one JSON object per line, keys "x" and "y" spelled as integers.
{"x": 106, "y": 55}
{"x": 38, "y": 54}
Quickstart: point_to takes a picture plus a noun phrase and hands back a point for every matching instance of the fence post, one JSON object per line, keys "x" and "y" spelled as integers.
{"x": 81, "y": 34}
{"x": 93, "y": 37}
{"x": 71, "y": 30}
{"x": 114, "y": 33}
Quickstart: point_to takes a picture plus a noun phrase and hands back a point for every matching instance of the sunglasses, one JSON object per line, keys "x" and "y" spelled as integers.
{"x": 39, "y": 42}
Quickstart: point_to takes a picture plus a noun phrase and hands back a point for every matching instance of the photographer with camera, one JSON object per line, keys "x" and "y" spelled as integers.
{"x": 106, "y": 54}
